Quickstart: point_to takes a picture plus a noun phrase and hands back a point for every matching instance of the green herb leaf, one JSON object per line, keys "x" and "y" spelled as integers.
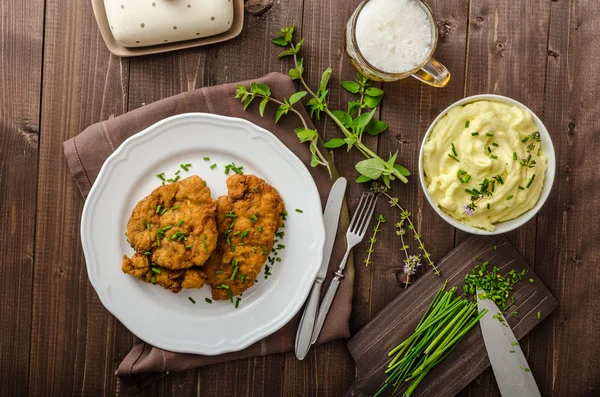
{"x": 351, "y": 86}
{"x": 297, "y": 96}
{"x": 372, "y": 101}
{"x": 297, "y": 72}
{"x": 247, "y": 102}
{"x": 305, "y": 134}
{"x": 283, "y": 109}
{"x": 353, "y": 107}
{"x": 371, "y": 168}
{"x": 363, "y": 179}
{"x": 403, "y": 171}
{"x": 343, "y": 117}
{"x": 334, "y": 143}
{"x": 359, "y": 123}
{"x": 375, "y": 127}
{"x": 285, "y": 53}
{"x": 280, "y": 41}
{"x": 374, "y": 92}
{"x": 262, "y": 106}
{"x": 325, "y": 80}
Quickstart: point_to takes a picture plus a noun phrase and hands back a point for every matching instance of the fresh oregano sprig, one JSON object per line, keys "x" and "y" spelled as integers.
{"x": 406, "y": 222}
{"x": 376, "y": 229}
{"x": 304, "y": 133}
{"x": 373, "y": 167}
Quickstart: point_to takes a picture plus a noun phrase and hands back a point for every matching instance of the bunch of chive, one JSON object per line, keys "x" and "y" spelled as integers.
{"x": 444, "y": 325}
{"x": 496, "y": 286}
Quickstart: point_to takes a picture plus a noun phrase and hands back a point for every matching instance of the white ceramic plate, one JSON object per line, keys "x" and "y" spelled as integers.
{"x": 171, "y": 321}
{"x": 548, "y": 148}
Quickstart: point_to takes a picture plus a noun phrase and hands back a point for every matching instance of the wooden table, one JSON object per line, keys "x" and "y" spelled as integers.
{"x": 57, "y": 77}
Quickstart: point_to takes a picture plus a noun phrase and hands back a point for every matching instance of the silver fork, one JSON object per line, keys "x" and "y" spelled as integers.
{"x": 355, "y": 234}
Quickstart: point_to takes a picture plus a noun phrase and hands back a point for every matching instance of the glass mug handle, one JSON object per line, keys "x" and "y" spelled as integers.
{"x": 433, "y": 73}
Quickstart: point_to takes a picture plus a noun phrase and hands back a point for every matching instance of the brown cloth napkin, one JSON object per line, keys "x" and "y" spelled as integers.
{"x": 87, "y": 152}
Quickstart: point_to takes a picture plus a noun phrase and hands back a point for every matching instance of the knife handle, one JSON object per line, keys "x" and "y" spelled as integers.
{"x": 326, "y": 305}
{"x": 307, "y": 322}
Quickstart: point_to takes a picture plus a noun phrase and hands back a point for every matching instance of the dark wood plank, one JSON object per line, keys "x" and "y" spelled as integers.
{"x": 72, "y": 335}
{"x": 21, "y": 25}
{"x": 507, "y": 56}
{"x": 323, "y": 24}
{"x": 409, "y": 108}
{"x": 565, "y": 346}
{"x": 393, "y": 325}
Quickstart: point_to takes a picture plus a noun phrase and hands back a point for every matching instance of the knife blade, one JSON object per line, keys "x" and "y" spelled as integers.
{"x": 331, "y": 219}
{"x": 510, "y": 366}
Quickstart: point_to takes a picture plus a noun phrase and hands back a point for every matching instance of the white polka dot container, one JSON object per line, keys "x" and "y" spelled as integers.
{"x": 141, "y": 23}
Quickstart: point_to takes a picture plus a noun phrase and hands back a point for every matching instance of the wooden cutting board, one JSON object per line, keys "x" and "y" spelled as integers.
{"x": 397, "y": 321}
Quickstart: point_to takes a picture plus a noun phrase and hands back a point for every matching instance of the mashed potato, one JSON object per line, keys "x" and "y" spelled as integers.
{"x": 484, "y": 163}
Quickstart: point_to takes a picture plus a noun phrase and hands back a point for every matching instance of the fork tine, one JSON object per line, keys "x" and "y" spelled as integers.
{"x": 363, "y": 212}
{"x": 367, "y": 220}
{"x": 354, "y": 220}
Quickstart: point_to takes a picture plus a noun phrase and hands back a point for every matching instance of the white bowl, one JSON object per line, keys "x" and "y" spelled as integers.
{"x": 500, "y": 227}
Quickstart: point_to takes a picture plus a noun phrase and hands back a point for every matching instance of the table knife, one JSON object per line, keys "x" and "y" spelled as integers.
{"x": 331, "y": 219}
{"x": 510, "y": 367}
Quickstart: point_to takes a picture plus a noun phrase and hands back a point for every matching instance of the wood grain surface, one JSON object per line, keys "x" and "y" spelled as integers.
{"x": 398, "y": 320}
{"x": 57, "y": 77}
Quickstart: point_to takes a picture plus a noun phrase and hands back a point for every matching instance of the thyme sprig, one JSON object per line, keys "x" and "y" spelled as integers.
{"x": 405, "y": 219}
{"x": 373, "y": 167}
{"x": 376, "y": 229}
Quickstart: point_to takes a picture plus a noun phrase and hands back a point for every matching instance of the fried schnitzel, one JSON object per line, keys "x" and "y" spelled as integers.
{"x": 247, "y": 219}
{"x": 175, "y": 225}
{"x": 174, "y": 280}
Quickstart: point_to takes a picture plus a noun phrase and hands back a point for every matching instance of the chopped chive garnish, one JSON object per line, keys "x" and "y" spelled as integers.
{"x": 474, "y": 133}
{"x": 192, "y": 300}
{"x": 489, "y": 134}
{"x": 530, "y": 181}
{"x": 206, "y": 158}
{"x": 204, "y": 243}
{"x": 230, "y": 295}
{"x": 236, "y": 233}
{"x": 525, "y": 139}
{"x": 224, "y": 286}
{"x": 175, "y": 208}
{"x": 454, "y": 150}
{"x": 157, "y": 209}
{"x": 235, "y": 270}
{"x": 148, "y": 226}
{"x": 260, "y": 229}
{"x": 488, "y": 206}
{"x": 188, "y": 246}
{"x": 514, "y": 155}
{"x": 253, "y": 218}
{"x": 231, "y": 215}
{"x": 299, "y": 210}
{"x": 494, "y": 157}
{"x": 539, "y": 315}
{"x": 516, "y": 314}
{"x": 468, "y": 178}
{"x": 184, "y": 167}
{"x": 155, "y": 270}
{"x": 176, "y": 178}
{"x": 489, "y": 150}
{"x": 515, "y": 344}
{"x": 164, "y": 229}
{"x": 453, "y": 158}
{"x": 278, "y": 259}
{"x": 177, "y": 172}
{"x": 219, "y": 271}
{"x": 233, "y": 248}
{"x": 509, "y": 197}
{"x": 163, "y": 211}
{"x": 467, "y": 124}
{"x": 147, "y": 253}
{"x": 180, "y": 223}
{"x": 161, "y": 176}
{"x": 494, "y": 144}
{"x": 255, "y": 190}
{"x": 207, "y": 300}
{"x": 531, "y": 280}
{"x": 153, "y": 280}
{"x": 157, "y": 242}
{"x": 212, "y": 167}
{"x": 512, "y": 351}
{"x": 237, "y": 303}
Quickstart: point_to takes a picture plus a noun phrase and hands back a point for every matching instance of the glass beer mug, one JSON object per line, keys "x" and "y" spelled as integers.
{"x": 389, "y": 40}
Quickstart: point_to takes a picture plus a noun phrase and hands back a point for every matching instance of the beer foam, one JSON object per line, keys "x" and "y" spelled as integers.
{"x": 395, "y": 36}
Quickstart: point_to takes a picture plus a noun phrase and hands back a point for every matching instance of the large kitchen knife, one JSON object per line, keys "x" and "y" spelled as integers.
{"x": 508, "y": 362}
{"x": 331, "y": 218}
